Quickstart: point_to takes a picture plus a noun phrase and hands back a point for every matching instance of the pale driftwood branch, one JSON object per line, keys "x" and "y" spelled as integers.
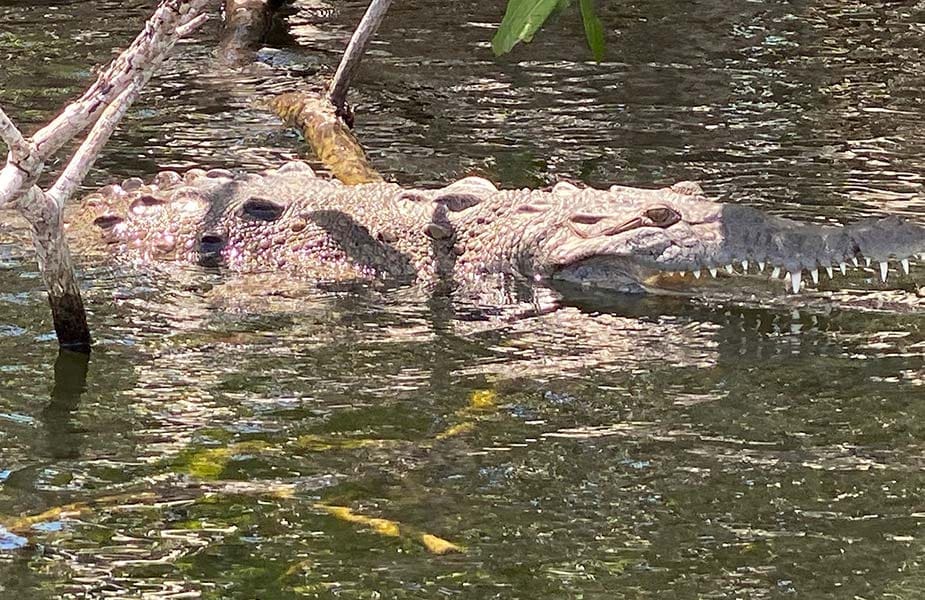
{"x": 337, "y": 93}
{"x": 137, "y": 62}
{"x": 102, "y": 106}
{"x": 191, "y": 26}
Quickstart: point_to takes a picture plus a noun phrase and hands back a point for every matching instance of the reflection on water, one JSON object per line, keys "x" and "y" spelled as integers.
{"x": 225, "y": 441}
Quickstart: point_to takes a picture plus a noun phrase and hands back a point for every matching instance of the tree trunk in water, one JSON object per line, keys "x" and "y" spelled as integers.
{"x": 54, "y": 261}
{"x": 247, "y": 23}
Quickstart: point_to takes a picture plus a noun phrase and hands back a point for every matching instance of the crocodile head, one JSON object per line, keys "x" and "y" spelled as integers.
{"x": 628, "y": 239}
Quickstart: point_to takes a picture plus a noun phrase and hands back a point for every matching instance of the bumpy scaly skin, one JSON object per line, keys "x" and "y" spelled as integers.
{"x": 289, "y": 220}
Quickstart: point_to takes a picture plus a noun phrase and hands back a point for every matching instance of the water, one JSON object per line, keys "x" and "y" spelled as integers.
{"x": 622, "y": 447}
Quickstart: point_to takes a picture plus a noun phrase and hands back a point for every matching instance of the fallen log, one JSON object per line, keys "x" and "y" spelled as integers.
{"x": 330, "y": 138}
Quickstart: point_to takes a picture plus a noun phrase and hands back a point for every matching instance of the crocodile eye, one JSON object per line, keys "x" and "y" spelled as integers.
{"x": 662, "y": 216}
{"x": 261, "y": 209}
{"x": 145, "y": 204}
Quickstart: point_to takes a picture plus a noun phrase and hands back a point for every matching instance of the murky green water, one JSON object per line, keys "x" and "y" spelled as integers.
{"x": 229, "y": 444}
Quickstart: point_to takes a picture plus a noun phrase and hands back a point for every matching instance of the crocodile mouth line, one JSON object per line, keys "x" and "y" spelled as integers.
{"x": 620, "y": 272}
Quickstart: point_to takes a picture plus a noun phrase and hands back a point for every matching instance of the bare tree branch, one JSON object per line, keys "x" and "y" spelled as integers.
{"x": 72, "y": 176}
{"x": 350, "y": 62}
{"x": 191, "y": 26}
{"x": 102, "y": 106}
{"x": 143, "y": 55}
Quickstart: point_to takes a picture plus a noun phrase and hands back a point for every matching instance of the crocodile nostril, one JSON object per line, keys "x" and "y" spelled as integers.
{"x": 211, "y": 243}
{"x": 107, "y": 221}
{"x": 144, "y": 204}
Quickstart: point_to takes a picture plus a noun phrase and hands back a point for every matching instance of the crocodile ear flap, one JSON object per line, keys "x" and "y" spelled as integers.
{"x": 532, "y": 208}
{"x": 457, "y": 202}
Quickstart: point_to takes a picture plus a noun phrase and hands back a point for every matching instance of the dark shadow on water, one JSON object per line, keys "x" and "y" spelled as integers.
{"x": 69, "y": 387}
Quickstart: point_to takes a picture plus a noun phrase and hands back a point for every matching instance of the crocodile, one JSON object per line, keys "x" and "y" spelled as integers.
{"x": 290, "y": 221}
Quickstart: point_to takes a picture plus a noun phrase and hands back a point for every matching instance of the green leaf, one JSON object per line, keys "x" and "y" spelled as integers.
{"x": 521, "y": 21}
{"x": 594, "y": 31}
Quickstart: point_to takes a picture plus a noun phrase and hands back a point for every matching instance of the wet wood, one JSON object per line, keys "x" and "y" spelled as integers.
{"x": 350, "y": 62}
{"x": 247, "y": 23}
{"x": 328, "y": 135}
{"x": 326, "y": 121}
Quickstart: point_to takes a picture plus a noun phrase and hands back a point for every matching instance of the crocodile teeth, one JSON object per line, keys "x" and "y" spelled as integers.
{"x": 775, "y": 273}
{"x": 843, "y": 268}
{"x": 745, "y": 266}
{"x": 815, "y": 275}
{"x": 866, "y": 261}
{"x": 905, "y": 265}
{"x": 712, "y": 272}
{"x": 696, "y": 273}
{"x": 829, "y": 272}
{"x": 855, "y": 262}
{"x": 729, "y": 269}
{"x": 795, "y": 278}
{"x": 761, "y": 266}
{"x": 884, "y": 268}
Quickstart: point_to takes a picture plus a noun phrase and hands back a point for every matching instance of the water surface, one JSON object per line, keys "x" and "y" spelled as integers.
{"x": 724, "y": 447}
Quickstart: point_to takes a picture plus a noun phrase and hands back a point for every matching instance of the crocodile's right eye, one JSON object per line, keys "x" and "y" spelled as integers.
{"x": 261, "y": 209}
